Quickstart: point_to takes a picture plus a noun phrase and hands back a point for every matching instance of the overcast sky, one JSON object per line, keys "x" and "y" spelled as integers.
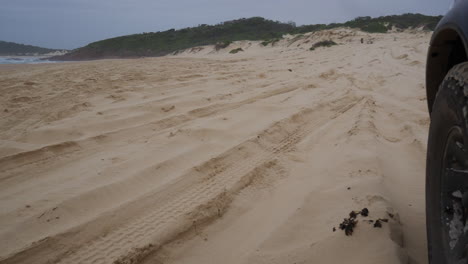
{"x": 74, "y": 23}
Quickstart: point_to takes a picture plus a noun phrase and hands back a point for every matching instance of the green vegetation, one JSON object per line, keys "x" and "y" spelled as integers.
{"x": 379, "y": 24}
{"x": 15, "y": 49}
{"x": 382, "y": 24}
{"x": 399, "y": 21}
{"x": 162, "y": 43}
{"x": 222, "y": 45}
{"x": 221, "y": 35}
{"x": 270, "y": 41}
{"x": 325, "y": 43}
{"x": 375, "y": 27}
{"x": 234, "y": 51}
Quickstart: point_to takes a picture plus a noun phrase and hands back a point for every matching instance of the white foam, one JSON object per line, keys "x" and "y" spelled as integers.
{"x": 24, "y": 60}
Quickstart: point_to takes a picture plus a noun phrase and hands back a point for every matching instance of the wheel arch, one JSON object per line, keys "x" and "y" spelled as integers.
{"x": 448, "y": 48}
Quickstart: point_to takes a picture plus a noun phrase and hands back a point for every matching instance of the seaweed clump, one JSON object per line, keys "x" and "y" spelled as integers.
{"x": 350, "y": 223}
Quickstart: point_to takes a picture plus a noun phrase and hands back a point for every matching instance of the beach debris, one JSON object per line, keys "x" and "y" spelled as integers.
{"x": 365, "y": 212}
{"x": 290, "y": 70}
{"x": 349, "y": 188}
{"x": 350, "y": 223}
{"x": 378, "y": 222}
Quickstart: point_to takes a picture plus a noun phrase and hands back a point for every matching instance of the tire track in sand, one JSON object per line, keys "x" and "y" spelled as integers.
{"x": 47, "y": 153}
{"x": 209, "y": 196}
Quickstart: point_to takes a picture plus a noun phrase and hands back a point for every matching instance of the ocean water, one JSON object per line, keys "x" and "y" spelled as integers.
{"x": 23, "y": 60}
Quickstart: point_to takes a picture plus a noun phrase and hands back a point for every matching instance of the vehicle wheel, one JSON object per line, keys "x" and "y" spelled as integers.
{"x": 447, "y": 171}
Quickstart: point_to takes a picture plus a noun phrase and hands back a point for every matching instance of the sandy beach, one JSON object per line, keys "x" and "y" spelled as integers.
{"x": 212, "y": 157}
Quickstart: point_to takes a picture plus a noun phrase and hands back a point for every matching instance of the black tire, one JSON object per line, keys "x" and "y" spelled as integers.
{"x": 447, "y": 161}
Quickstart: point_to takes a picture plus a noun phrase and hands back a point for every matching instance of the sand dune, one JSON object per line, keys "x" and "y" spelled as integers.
{"x": 210, "y": 157}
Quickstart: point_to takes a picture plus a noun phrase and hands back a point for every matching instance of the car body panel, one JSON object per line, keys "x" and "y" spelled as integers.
{"x": 456, "y": 18}
{"x": 452, "y": 28}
